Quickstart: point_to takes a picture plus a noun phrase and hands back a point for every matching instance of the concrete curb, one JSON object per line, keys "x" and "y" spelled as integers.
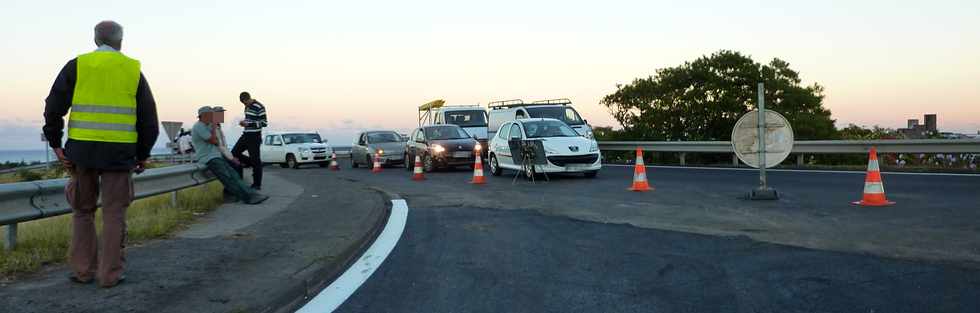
{"x": 315, "y": 280}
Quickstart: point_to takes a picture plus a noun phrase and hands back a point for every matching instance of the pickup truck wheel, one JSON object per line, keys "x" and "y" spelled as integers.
{"x": 353, "y": 163}
{"x": 283, "y": 165}
{"x": 291, "y": 161}
{"x": 409, "y": 163}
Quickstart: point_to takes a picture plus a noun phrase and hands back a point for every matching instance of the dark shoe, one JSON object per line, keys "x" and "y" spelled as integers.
{"x": 77, "y": 280}
{"x": 256, "y": 199}
{"x": 118, "y": 281}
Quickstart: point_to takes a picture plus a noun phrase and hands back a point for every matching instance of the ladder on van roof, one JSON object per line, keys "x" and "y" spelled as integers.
{"x": 561, "y": 101}
{"x": 503, "y": 104}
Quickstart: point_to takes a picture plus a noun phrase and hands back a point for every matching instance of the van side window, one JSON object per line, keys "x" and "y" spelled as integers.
{"x": 515, "y": 131}
{"x": 419, "y": 135}
{"x": 276, "y": 140}
{"x": 268, "y": 140}
{"x": 520, "y": 114}
{"x": 362, "y": 141}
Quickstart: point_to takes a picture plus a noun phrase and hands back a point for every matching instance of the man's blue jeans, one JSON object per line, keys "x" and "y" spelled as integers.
{"x": 225, "y": 173}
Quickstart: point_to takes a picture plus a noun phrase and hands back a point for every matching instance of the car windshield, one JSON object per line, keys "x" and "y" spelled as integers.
{"x": 562, "y": 113}
{"x": 445, "y": 132}
{"x": 539, "y": 129}
{"x": 301, "y": 138}
{"x": 383, "y": 137}
{"x": 474, "y": 118}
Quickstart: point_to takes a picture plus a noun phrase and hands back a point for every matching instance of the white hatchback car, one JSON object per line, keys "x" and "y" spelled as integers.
{"x": 292, "y": 149}
{"x": 565, "y": 150}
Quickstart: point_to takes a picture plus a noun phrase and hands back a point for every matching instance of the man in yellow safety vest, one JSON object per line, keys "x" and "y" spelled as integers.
{"x": 111, "y": 130}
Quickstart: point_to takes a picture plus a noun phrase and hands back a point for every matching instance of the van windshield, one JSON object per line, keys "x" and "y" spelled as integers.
{"x": 562, "y": 113}
{"x": 473, "y": 118}
{"x": 301, "y": 138}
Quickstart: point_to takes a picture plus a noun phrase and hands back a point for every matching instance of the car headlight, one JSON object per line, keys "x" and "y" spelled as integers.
{"x": 380, "y": 151}
{"x": 589, "y": 134}
{"x": 438, "y": 149}
{"x": 594, "y": 147}
{"x": 477, "y": 147}
{"x": 304, "y": 149}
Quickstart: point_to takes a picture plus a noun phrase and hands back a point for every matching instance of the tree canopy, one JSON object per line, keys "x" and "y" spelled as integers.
{"x": 702, "y": 100}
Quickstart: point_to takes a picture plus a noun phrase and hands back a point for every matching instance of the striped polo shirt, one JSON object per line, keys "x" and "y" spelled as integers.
{"x": 255, "y": 118}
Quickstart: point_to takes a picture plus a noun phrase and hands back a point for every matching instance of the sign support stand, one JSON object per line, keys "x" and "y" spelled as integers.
{"x": 763, "y": 192}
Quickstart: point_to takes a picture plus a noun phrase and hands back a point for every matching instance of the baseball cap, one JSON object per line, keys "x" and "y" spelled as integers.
{"x": 204, "y": 109}
{"x": 217, "y": 109}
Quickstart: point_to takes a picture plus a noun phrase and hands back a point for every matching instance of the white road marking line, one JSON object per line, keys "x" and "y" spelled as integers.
{"x": 794, "y": 171}
{"x": 337, "y": 293}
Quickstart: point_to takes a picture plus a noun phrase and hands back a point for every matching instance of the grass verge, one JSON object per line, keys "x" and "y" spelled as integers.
{"x": 44, "y": 242}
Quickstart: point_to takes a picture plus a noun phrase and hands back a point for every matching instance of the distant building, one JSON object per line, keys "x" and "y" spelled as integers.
{"x": 920, "y": 131}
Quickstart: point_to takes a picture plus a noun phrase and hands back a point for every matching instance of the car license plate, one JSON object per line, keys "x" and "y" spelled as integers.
{"x": 462, "y": 154}
{"x": 574, "y": 168}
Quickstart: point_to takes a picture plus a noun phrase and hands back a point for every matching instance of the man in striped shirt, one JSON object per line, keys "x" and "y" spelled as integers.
{"x": 253, "y": 123}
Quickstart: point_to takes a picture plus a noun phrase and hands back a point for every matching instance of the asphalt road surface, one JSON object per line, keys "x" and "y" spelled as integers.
{"x": 479, "y": 260}
{"x": 694, "y": 244}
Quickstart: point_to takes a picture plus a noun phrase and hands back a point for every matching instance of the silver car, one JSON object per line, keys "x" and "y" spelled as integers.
{"x": 390, "y": 144}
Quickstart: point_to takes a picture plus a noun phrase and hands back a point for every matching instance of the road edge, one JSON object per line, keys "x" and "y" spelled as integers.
{"x": 317, "y": 280}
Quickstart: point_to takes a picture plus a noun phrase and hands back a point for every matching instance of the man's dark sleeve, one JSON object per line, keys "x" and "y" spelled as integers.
{"x": 57, "y": 103}
{"x": 147, "y": 125}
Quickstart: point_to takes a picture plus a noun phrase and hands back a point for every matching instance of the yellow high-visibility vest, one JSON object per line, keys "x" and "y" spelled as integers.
{"x": 103, "y": 107}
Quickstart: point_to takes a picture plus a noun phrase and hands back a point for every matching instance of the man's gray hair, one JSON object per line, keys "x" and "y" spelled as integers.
{"x": 108, "y": 33}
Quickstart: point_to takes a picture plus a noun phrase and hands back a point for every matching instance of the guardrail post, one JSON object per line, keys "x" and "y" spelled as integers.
{"x": 799, "y": 159}
{"x": 173, "y": 199}
{"x": 735, "y": 160}
{"x": 683, "y": 158}
{"x": 11, "y": 241}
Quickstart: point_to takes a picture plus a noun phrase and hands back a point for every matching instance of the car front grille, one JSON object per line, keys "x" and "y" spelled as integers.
{"x": 319, "y": 150}
{"x": 562, "y": 160}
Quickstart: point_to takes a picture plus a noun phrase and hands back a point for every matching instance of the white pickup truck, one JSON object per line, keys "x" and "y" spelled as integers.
{"x": 292, "y": 149}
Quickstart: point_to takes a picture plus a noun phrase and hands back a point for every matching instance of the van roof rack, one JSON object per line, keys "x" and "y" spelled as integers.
{"x": 562, "y": 101}
{"x": 425, "y": 111}
{"x": 505, "y": 104}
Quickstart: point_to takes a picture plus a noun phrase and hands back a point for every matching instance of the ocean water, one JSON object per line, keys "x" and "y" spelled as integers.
{"x": 39, "y": 155}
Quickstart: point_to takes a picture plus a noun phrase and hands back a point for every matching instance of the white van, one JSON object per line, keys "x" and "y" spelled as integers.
{"x": 559, "y": 109}
{"x": 472, "y": 118}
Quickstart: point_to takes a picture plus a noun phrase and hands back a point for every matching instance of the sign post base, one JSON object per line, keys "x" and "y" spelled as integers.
{"x": 763, "y": 194}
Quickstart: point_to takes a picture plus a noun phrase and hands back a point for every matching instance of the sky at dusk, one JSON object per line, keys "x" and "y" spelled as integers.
{"x": 339, "y": 67}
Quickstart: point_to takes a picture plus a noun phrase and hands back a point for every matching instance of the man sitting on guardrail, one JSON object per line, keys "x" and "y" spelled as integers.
{"x": 207, "y": 151}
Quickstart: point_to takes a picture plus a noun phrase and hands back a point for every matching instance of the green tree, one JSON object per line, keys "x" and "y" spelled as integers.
{"x": 702, "y": 100}
{"x": 855, "y": 132}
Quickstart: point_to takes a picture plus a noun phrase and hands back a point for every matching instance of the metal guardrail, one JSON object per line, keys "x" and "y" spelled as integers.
{"x": 802, "y": 147}
{"x": 27, "y": 201}
{"x": 808, "y": 146}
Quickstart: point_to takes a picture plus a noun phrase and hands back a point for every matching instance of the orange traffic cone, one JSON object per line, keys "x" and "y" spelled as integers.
{"x": 874, "y": 189}
{"x": 478, "y": 171}
{"x": 419, "y": 175}
{"x": 640, "y": 174}
{"x": 333, "y": 162}
{"x": 377, "y": 163}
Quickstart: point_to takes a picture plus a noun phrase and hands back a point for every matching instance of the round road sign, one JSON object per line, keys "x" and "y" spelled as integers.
{"x": 778, "y": 136}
